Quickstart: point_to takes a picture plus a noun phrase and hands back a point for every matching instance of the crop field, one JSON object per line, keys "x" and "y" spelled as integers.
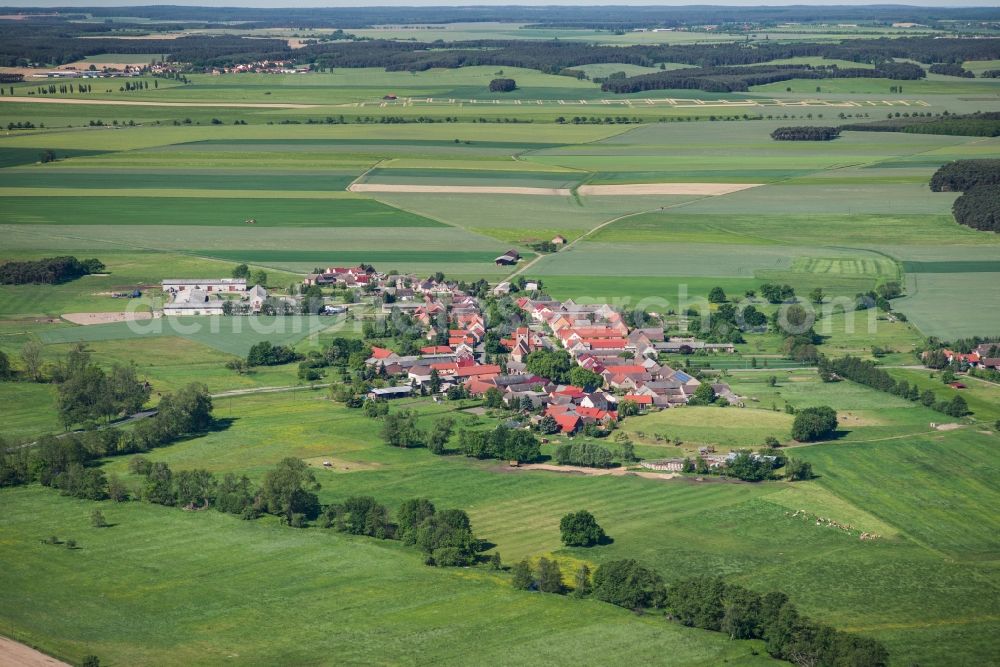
{"x": 192, "y": 555}
{"x": 738, "y": 529}
{"x": 188, "y": 180}
{"x": 694, "y": 427}
{"x": 232, "y": 335}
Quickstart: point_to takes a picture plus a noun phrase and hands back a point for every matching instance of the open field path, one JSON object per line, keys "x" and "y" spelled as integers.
{"x": 590, "y": 472}
{"x": 598, "y": 228}
{"x": 16, "y": 654}
{"x": 269, "y": 390}
{"x": 458, "y": 189}
{"x": 137, "y": 103}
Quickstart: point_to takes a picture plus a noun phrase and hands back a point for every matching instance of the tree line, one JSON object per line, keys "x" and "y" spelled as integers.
{"x": 805, "y": 133}
{"x": 711, "y": 603}
{"x": 48, "y": 271}
{"x": 964, "y": 175}
{"x": 722, "y": 79}
{"x": 979, "y": 208}
{"x": 64, "y": 461}
{"x": 86, "y": 393}
{"x": 869, "y": 374}
{"x": 951, "y": 69}
{"x": 288, "y": 491}
{"x": 979, "y": 124}
{"x": 979, "y": 183}
{"x": 556, "y": 56}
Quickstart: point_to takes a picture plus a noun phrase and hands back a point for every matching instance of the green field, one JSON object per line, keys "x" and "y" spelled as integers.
{"x": 741, "y": 530}
{"x": 434, "y": 612}
{"x": 171, "y": 195}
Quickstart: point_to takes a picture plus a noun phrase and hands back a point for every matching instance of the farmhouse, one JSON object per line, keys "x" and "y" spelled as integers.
{"x": 205, "y": 284}
{"x": 390, "y": 392}
{"x": 508, "y": 258}
{"x": 669, "y": 465}
{"x": 194, "y": 302}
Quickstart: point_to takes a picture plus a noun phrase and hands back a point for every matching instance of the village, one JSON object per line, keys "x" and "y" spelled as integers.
{"x": 622, "y": 369}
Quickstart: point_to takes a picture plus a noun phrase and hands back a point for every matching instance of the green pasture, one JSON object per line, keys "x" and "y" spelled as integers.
{"x": 220, "y": 242}
{"x": 11, "y": 157}
{"x": 679, "y": 526}
{"x": 125, "y": 58}
{"x": 186, "y": 180}
{"x": 696, "y": 426}
{"x": 472, "y": 177}
{"x": 653, "y": 293}
{"x": 980, "y": 66}
{"x": 171, "y": 361}
{"x": 232, "y": 335}
{"x": 951, "y": 305}
{"x": 29, "y": 409}
{"x": 182, "y": 212}
{"x": 982, "y": 397}
{"x": 213, "y": 563}
{"x": 862, "y": 86}
{"x": 132, "y": 138}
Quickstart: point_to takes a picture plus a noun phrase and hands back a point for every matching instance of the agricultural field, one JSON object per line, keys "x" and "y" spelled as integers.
{"x": 660, "y": 197}
{"x": 266, "y": 428}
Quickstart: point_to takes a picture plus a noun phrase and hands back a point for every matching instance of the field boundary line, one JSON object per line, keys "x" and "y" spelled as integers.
{"x": 362, "y": 175}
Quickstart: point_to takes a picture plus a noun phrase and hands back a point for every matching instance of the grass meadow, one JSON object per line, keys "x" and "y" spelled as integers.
{"x": 320, "y": 592}
{"x": 160, "y": 200}
{"x": 918, "y": 583}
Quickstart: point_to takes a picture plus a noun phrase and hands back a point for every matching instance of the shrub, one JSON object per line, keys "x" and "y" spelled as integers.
{"x": 628, "y": 584}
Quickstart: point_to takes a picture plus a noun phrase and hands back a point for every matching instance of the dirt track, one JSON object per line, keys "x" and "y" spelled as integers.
{"x": 105, "y": 318}
{"x": 698, "y": 189}
{"x": 15, "y": 654}
{"x": 457, "y": 189}
{"x": 592, "y": 472}
{"x": 704, "y": 189}
{"x": 136, "y": 103}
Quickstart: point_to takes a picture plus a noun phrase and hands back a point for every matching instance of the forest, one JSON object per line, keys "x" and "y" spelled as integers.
{"x": 596, "y": 17}
{"x": 979, "y": 208}
{"x": 49, "y": 271}
{"x": 978, "y": 124}
{"x": 54, "y": 41}
{"x": 805, "y": 133}
{"x": 963, "y": 175}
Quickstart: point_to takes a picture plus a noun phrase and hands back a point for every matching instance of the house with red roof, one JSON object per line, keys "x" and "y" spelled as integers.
{"x": 569, "y": 423}
{"x": 436, "y": 349}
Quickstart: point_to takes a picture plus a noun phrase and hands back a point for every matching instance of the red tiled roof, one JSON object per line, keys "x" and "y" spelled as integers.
{"x": 567, "y": 423}
{"x": 381, "y": 353}
{"x": 436, "y": 349}
{"x": 445, "y": 367}
{"x": 596, "y": 413}
{"x": 481, "y": 369}
{"x": 639, "y": 400}
{"x": 605, "y": 343}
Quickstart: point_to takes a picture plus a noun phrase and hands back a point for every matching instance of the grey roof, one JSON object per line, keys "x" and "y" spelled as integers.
{"x": 392, "y": 391}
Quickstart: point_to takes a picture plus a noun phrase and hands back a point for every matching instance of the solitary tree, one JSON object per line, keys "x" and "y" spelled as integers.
{"x": 31, "y": 355}
{"x": 813, "y": 424}
{"x": 97, "y": 519}
{"x": 580, "y": 529}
